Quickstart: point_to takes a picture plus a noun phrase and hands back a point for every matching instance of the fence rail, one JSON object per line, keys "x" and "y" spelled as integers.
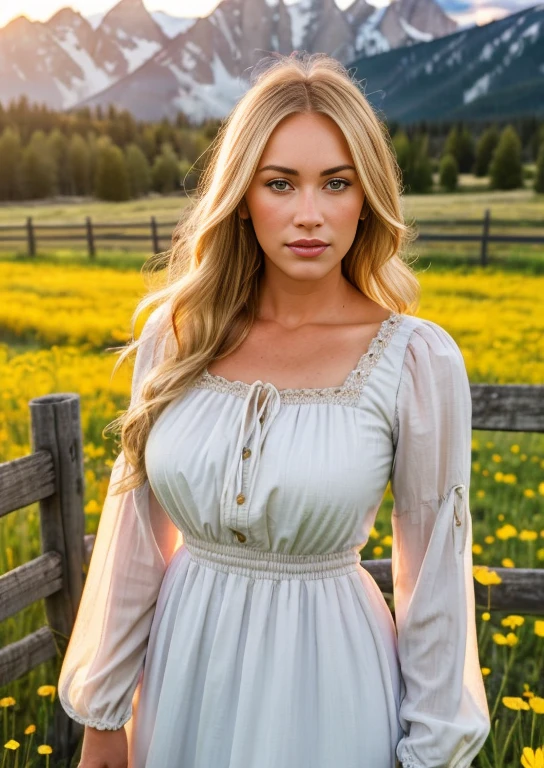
{"x": 153, "y": 232}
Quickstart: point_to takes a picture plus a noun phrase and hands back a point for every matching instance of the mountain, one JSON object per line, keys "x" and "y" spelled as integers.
{"x": 156, "y": 64}
{"x": 488, "y": 72}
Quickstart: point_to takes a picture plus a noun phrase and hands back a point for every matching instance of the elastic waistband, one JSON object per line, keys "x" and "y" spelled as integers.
{"x": 262, "y": 564}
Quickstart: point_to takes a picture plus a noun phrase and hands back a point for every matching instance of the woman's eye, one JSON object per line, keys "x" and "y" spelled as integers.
{"x": 332, "y": 181}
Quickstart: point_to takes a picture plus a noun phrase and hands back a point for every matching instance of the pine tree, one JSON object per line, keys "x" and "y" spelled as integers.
{"x": 11, "y": 155}
{"x": 166, "y": 171}
{"x": 421, "y": 179}
{"x": 112, "y": 181}
{"x": 57, "y": 146}
{"x": 403, "y": 151}
{"x": 465, "y": 151}
{"x": 539, "y": 175}
{"x": 139, "y": 171}
{"x": 506, "y": 169}
{"x": 487, "y": 144}
{"x": 449, "y": 173}
{"x": 39, "y": 170}
{"x": 80, "y": 165}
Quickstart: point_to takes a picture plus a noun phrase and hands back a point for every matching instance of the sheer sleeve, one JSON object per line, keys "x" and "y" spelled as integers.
{"x": 134, "y": 543}
{"x": 443, "y": 710}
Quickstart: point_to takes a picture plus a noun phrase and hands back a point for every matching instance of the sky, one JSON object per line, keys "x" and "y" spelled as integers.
{"x": 41, "y": 10}
{"x": 477, "y": 11}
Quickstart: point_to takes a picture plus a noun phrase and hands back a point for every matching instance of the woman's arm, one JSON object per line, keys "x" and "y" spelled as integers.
{"x": 444, "y": 711}
{"x": 134, "y": 544}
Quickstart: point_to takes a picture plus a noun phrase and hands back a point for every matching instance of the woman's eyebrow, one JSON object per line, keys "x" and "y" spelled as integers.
{"x": 293, "y": 172}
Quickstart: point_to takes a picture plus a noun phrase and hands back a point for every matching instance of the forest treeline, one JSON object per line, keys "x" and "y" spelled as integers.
{"x": 107, "y": 154}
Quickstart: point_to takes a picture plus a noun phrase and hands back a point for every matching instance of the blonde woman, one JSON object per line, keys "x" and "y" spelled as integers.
{"x": 279, "y": 384}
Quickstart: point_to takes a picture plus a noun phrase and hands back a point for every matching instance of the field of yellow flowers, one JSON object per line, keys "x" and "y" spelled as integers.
{"x": 57, "y": 323}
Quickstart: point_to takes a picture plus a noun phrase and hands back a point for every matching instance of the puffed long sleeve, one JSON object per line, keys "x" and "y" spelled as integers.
{"x": 134, "y": 543}
{"x": 443, "y": 711}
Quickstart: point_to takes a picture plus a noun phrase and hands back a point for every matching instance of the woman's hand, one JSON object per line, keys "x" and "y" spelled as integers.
{"x": 104, "y": 749}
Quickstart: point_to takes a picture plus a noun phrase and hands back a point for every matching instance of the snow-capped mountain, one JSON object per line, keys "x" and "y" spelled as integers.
{"x": 486, "y": 72}
{"x": 195, "y": 64}
{"x": 156, "y": 65}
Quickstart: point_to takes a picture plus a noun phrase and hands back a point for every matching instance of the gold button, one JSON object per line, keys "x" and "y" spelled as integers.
{"x": 240, "y": 536}
{"x": 240, "y": 498}
{"x": 246, "y": 453}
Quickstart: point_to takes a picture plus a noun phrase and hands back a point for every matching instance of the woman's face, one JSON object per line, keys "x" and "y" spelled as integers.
{"x": 297, "y": 201}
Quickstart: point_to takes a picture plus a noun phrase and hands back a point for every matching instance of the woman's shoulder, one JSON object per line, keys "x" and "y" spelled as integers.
{"x": 431, "y": 353}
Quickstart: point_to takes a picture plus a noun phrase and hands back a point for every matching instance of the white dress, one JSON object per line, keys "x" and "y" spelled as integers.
{"x": 226, "y": 618}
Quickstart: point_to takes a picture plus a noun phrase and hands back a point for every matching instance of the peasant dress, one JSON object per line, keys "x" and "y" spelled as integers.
{"x": 226, "y": 619}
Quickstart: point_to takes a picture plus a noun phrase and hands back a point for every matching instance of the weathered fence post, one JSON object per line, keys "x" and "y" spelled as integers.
{"x": 31, "y": 239}
{"x": 90, "y": 237}
{"x": 56, "y": 427}
{"x": 485, "y": 238}
{"x": 154, "y": 235}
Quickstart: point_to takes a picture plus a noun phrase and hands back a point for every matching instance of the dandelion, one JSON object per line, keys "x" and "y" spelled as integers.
{"x": 514, "y": 448}
{"x": 506, "y": 532}
{"x": 530, "y": 759}
{"x": 12, "y": 744}
{"x": 529, "y": 493}
{"x": 485, "y": 576}
{"x": 387, "y": 540}
{"x": 537, "y": 704}
{"x": 30, "y": 729}
{"x": 509, "y": 639}
{"x": 477, "y": 549}
{"x": 526, "y": 535}
{"x": 480, "y": 494}
{"x": 514, "y": 702}
{"x": 539, "y": 627}
{"x": 486, "y": 616}
{"x": 47, "y": 690}
{"x": 44, "y": 749}
{"x": 512, "y": 621}
{"x": 489, "y": 539}
{"x": 377, "y": 551}
{"x": 541, "y": 488}
{"x": 486, "y": 671}
{"x": 507, "y": 562}
{"x": 7, "y": 701}
{"x": 527, "y": 692}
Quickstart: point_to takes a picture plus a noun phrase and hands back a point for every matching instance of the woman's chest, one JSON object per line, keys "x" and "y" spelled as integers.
{"x": 273, "y": 471}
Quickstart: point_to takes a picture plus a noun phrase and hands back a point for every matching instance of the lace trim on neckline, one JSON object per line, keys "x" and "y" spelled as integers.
{"x": 347, "y": 393}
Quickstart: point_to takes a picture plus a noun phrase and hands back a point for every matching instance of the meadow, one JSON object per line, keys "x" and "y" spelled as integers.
{"x": 58, "y": 330}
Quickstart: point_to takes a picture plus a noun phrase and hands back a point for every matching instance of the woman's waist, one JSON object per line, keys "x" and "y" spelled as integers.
{"x": 267, "y": 564}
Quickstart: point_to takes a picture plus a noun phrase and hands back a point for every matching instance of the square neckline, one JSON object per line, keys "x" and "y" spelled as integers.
{"x": 348, "y": 391}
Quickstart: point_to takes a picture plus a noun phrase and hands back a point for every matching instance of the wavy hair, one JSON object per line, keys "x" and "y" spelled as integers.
{"x": 210, "y": 297}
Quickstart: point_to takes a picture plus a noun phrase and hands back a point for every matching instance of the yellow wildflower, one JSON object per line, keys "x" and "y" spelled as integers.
{"x": 489, "y": 539}
{"x": 506, "y": 532}
{"x": 507, "y": 562}
{"x": 30, "y": 729}
{"x": 477, "y": 549}
{"x": 526, "y": 535}
{"x": 509, "y": 639}
{"x": 7, "y": 701}
{"x": 537, "y": 704}
{"x": 47, "y": 690}
{"x": 514, "y": 702}
{"x": 529, "y": 493}
{"x": 377, "y": 550}
{"x": 530, "y": 759}
{"x": 485, "y": 576}
{"x": 486, "y": 616}
{"x": 44, "y": 749}
{"x": 512, "y": 621}
{"x": 12, "y": 744}
{"x": 539, "y": 627}
{"x": 486, "y": 671}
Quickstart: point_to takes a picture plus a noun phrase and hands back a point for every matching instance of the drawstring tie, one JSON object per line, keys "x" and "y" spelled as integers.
{"x": 242, "y": 473}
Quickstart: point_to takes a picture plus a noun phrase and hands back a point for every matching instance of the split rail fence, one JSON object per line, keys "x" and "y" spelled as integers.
{"x": 53, "y": 476}
{"x": 158, "y": 234}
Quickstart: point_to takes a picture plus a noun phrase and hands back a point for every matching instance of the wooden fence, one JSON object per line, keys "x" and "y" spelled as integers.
{"x": 53, "y": 476}
{"x": 158, "y": 235}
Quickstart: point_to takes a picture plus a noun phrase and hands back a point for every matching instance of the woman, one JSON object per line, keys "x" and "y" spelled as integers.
{"x": 226, "y": 619}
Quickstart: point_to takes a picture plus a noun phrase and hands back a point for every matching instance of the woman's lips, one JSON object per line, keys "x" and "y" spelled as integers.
{"x": 313, "y": 250}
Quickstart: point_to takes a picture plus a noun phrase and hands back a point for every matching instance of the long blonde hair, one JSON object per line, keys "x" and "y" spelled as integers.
{"x": 215, "y": 264}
